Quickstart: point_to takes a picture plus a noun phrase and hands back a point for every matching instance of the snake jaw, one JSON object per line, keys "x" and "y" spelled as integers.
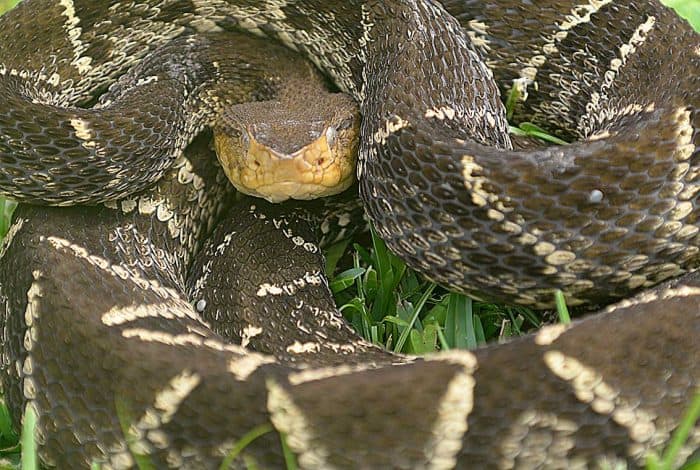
{"x": 323, "y": 167}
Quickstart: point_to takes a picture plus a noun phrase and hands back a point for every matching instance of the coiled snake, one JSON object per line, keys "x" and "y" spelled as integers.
{"x": 599, "y": 219}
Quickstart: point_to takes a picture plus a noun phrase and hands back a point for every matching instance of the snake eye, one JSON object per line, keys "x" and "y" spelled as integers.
{"x": 331, "y": 135}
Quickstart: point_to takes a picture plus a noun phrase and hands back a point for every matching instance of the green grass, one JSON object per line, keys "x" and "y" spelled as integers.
{"x": 398, "y": 309}
{"x": 7, "y": 4}
{"x": 688, "y": 9}
{"x": 667, "y": 459}
{"x": 392, "y": 306}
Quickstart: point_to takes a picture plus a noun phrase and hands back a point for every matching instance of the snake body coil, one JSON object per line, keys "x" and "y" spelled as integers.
{"x": 613, "y": 213}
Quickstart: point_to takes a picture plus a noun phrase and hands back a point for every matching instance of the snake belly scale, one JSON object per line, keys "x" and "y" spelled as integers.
{"x": 612, "y": 214}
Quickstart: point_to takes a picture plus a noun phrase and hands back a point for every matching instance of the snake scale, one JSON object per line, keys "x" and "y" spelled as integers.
{"x": 612, "y": 214}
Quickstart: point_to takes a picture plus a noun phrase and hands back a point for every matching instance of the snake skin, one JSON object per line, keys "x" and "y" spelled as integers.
{"x": 599, "y": 219}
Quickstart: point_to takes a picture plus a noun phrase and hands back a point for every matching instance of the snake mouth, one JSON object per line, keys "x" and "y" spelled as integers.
{"x": 323, "y": 167}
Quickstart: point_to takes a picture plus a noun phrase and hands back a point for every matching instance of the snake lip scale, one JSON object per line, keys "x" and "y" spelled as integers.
{"x": 614, "y": 215}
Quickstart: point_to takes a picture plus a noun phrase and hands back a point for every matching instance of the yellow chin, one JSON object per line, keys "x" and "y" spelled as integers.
{"x": 283, "y": 190}
{"x": 311, "y": 172}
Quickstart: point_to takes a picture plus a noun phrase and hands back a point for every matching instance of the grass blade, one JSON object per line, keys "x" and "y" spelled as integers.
{"x": 562, "y": 309}
{"x": 419, "y": 307}
{"x": 243, "y": 442}
{"x": 29, "y": 458}
{"x": 679, "y": 437}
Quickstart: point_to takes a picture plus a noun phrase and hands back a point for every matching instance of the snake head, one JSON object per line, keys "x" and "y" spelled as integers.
{"x": 299, "y": 147}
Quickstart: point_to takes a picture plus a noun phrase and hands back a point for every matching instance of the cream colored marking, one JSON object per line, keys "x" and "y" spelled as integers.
{"x": 73, "y": 32}
{"x": 174, "y": 458}
{"x": 148, "y": 204}
{"x": 495, "y": 215}
{"x": 527, "y": 239}
{"x": 637, "y": 39}
{"x": 339, "y": 348}
{"x": 520, "y": 87}
{"x": 453, "y": 356}
{"x": 28, "y": 388}
{"x": 311, "y": 375}
{"x": 54, "y": 80}
{"x": 249, "y": 332}
{"x": 589, "y": 387}
{"x": 543, "y": 248}
{"x": 169, "y": 399}
{"x": 82, "y": 130}
{"x": 146, "y": 80}
{"x": 478, "y": 33}
{"x": 31, "y": 312}
{"x": 309, "y": 279}
{"x": 268, "y": 289}
{"x": 684, "y": 137}
{"x": 441, "y": 113}
{"x": 288, "y": 40}
{"x": 111, "y": 205}
{"x": 605, "y": 134}
{"x": 653, "y": 296}
{"x": 203, "y": 25}
{"x": 175, "y": 227}
{"x": 253, "y": 210}
{"x": 121, "y": 315}
{"x": 593, "y": 108}
{"x": 391, "y": 126}
{"x": 579, "y": 14}
{"x": 548, "y": 334}
{"x": 542, "y": 433}
{"x": 364, "y": 40}
{"x": 164, "y": 212}
{"x": 221, "y": 247}
{"x": 166, "y": 403}
{"x": 122, "y": 459}
{"x": 456, "y": 404}
{"x": 303, "y": 348}
{"x": 158, "y": 438}
{"x": 560, "y": 257}
{"x": 128, "y": 205}
{"x": 474, "y": 181}
{"x": 283, "y": 225}
{"x": 688, "y": 231}
{"x": 39, "y": 96}
{"x": 582, "y": 14}
{"x": 636, "y": 281}
{"x": 344, "y": 219}
{"x": 28, "y": 366}
{"x": 201, "y": 281}
{"x": 189, "y": 339}
{"x": 185, "y": 173}
{"x": 114, "y": 269}
{"x": 288, "y": 418}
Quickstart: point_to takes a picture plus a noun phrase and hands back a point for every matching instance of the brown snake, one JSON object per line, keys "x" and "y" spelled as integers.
{"x": 611, "y": 214}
